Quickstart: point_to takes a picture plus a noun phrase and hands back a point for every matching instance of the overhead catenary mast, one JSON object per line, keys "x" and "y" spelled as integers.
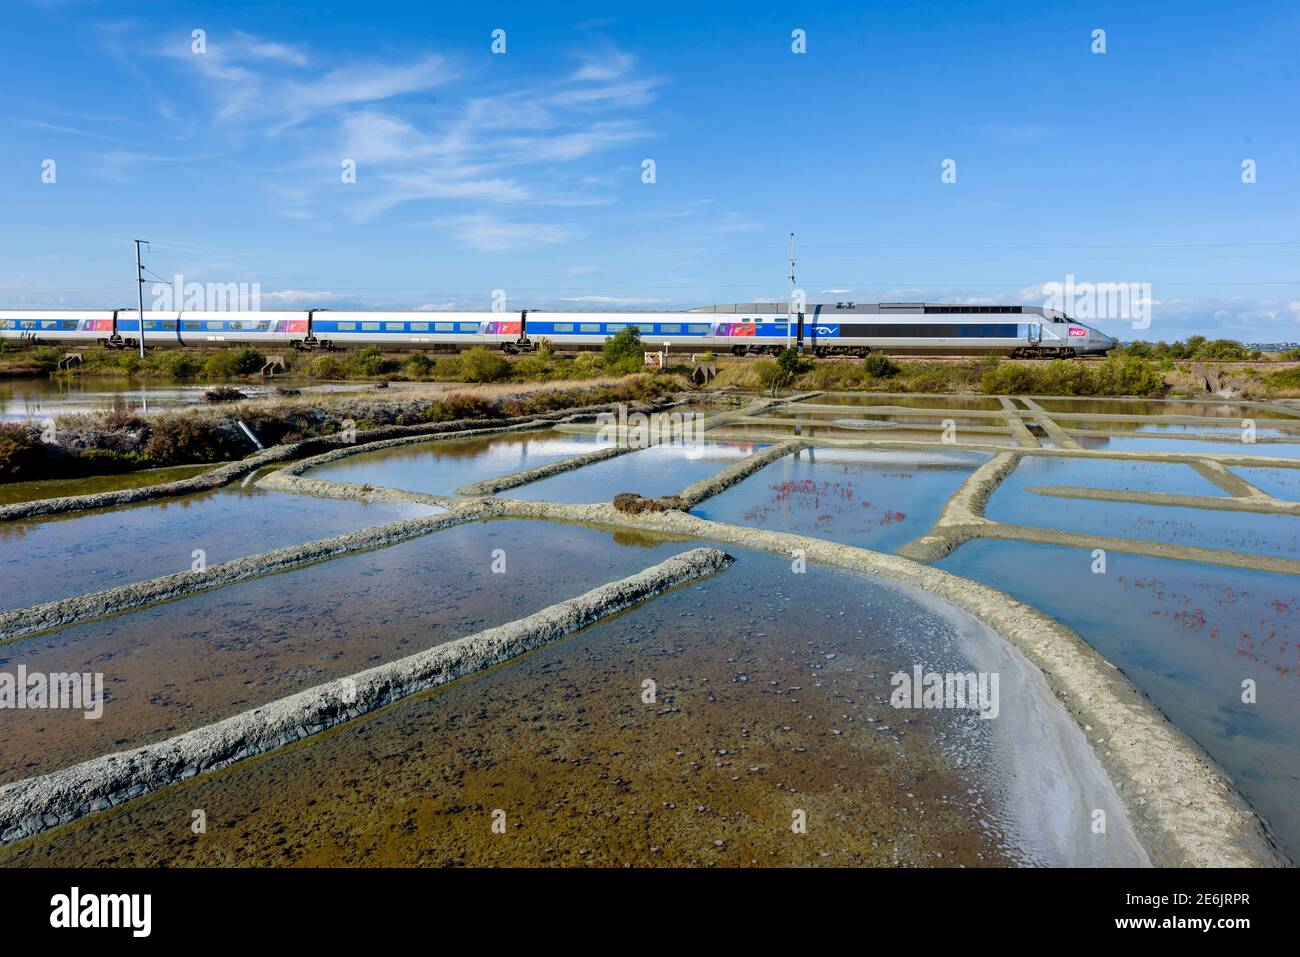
{"x": 789, "y": 306}
{"x": 139, "y": 289}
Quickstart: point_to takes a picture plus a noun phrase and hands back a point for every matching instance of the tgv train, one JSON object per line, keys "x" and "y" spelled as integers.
{"x": 841, "y": 328}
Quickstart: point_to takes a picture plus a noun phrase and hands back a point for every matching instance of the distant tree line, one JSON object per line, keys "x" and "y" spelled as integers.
{"x": 1194, "y": 347}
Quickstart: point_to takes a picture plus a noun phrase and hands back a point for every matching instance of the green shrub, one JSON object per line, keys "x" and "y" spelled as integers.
{"x": 480, "y": 365}
{"x": 1009, "y": 380}
{"x": 174, "y": 363}
{"x": 229, "y": 363}
{"x": 459, "y": 405}
{"x": 587, "y": 365}
{"x": 20, "y": 455}
{"x": 625, "y": 345}
{"x": 771, "y": 375}
{"x": 176, "y": 439}
{"x": 1117, "y": 375}
{"x": 418, "y": 365}
{"x": 1126, "y": 375}
{"x": 880, "y": 366}
{"x": 1284, "y": 379}
{"x": 1291, "y": 355}
{"x": 537, "y": 367}
{"x": 325, "y": 367}
{"x": 369, "y": 363}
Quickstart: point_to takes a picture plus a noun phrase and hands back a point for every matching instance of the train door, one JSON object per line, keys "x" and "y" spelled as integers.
{"x": 1035, "y": 335}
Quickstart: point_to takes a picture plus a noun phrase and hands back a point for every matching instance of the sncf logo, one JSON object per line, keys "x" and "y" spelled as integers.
{"x": 1076, "y": 331}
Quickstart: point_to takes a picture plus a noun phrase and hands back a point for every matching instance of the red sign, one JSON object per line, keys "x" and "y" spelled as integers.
{"x": 1076, "y": 331}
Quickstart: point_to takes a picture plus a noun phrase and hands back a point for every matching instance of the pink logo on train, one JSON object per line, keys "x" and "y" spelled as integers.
{"x": 1078, "y": 331}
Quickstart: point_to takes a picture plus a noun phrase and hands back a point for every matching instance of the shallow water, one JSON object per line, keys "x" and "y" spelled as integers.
{"x": 1158, "y": 407}
{"x": 907, "y": 401}
{"x": 1232, "y": 432}
{"x": 857, "y": 416}
{"x": 11, "y": 492}
{"x": 1170, "y": 477}
{"x": 440, "y": 467}
{"x": 180, "y": 665}
{"x": 1239, "y": 532}
{"x": 22, "y": 399}
{"x": 805, "y": 431}
{"x": 59, "y": 556}
{"x": 1188, "y": 635}
{"x": 655, "y": 471}
{"x": 872, "y": 499}
{"x": 1281, "y": 483}
{"x": 1283, "y": 450}
{"x": 772, "y": 695}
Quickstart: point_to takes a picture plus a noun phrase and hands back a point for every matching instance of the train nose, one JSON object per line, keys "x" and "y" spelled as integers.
{"x": 1102, "y": 342}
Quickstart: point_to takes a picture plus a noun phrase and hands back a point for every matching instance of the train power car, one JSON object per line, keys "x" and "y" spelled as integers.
{"x": 838, "y": 329}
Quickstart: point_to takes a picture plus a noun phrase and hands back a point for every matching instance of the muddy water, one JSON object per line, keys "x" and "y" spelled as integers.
{"x": 654, "y": 471}
{"x": 772, "y": 697}
{"x": 11, "y": 492}
{"x": 441, "y": 467}
{"x": 872, "y": 499}
{"x": 187, "y": 663}
{"x": 1280, "y": 483}
{"x": 61, "y": 556}
{"x": 1188, "y": 635}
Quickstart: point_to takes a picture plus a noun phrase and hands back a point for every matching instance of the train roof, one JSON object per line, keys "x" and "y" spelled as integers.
{"x": 870, "y": 308}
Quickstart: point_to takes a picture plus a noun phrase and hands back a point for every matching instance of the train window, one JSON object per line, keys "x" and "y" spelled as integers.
{"x": 670, "y": 328}
{"x": 419, "y": 327}
{"x": 49, "y": 324}
{"x": 236, "y": 325}
{"x": 467, "y": 326}
{"x": 394, "y": 326}
{"x": 346, "y": 327}
{"x": 564, "y": 327}
{"x": 369, "y": 327}
{"x": 444, "y": 327}
{"x": 191, "y": 326}
{"x": 589, "y": 327}
{"x": 611, "y": 329}
{"x": 701, "y": 328}
{"x": 29, "y": 323}
{"x": 215, "y": 326}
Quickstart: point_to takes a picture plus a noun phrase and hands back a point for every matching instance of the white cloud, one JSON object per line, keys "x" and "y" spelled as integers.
{"x": 613, "y": 301}
{"x": 487, "y": 233}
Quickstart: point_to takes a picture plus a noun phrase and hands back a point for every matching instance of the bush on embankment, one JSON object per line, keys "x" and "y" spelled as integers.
{"x": 116, "y": 440}
{"x": 1116, "y": 376}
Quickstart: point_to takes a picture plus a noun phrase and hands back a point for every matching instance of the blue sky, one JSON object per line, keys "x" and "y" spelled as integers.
{"x": 522, "y": 171}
